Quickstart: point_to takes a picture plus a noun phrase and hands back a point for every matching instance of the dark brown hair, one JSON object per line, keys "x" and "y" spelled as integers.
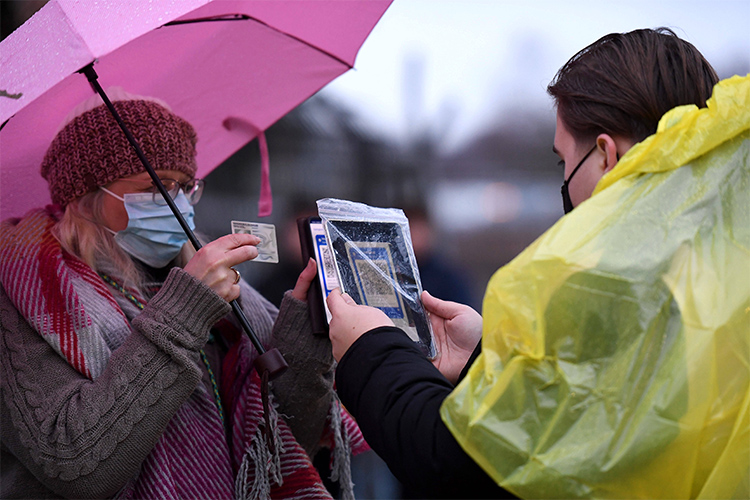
{"x": 623, "y": 83}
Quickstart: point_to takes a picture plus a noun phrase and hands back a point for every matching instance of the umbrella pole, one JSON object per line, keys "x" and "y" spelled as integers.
{"x": 270, "y": 361}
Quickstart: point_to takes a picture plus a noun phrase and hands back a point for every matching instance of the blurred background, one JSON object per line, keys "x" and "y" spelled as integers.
{"x": 446, "y": 116}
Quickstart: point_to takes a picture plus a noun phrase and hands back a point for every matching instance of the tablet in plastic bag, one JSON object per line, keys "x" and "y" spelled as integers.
{"x": 376, "y": 266}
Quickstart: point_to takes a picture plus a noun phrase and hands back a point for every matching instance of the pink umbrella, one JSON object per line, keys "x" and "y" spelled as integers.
{"x": 232, "y": 77}
{"x": 231, "y": 68}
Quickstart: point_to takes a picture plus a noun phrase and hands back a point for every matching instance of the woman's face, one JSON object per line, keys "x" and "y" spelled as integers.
{"x": 114, "y": 214}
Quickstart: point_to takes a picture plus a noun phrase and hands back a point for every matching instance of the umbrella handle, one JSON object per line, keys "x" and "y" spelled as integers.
{"x": 271, "y": 360}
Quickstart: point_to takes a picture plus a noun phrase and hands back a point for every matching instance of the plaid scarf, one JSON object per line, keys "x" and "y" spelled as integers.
{"x": 69, "y": 305}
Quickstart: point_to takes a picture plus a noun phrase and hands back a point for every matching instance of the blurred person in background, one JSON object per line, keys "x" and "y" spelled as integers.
{"x": 579, "y": 385}
{"x": 439, "y": 275}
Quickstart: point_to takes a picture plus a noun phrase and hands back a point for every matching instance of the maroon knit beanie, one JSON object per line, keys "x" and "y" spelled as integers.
{"x": 92, "y": 151}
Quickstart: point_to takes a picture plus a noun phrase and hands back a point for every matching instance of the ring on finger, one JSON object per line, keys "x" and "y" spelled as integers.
{"x": 236, "y": 275}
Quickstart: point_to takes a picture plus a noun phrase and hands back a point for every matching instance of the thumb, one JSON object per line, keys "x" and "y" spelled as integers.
{"x": 438, "y": 307}
{"x": 310, "y": 270}
{"x": 335, "y": 300}
{"x": 348, "y": 299}
{"x": 304, "y": 281}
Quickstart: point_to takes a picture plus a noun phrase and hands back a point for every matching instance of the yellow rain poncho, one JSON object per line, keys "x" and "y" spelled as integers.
{"x": 616, "y": 350}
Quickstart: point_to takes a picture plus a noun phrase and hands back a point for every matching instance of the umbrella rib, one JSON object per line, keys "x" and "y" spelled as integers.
{"x": 245, "y": 17}
{"x": 225, "y": 17}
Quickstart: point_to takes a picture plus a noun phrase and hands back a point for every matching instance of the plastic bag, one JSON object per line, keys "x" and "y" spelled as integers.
{"x": 616, "y": 348}
{"x": 375, "y": 262}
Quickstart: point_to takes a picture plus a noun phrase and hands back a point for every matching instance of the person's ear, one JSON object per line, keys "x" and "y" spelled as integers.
{"x": 608, "y": 147}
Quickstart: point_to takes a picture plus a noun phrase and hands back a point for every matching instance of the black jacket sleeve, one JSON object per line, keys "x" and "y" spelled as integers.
{"x": 395, "y": 394}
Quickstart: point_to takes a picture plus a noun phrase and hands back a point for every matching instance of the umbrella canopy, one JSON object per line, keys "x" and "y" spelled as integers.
{"x": 231, "y": 68}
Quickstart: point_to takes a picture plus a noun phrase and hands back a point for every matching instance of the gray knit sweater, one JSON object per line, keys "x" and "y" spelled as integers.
{"x": 51, "y": 417}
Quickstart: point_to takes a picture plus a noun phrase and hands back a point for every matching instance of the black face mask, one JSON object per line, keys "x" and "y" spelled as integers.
{"x": 567, "y": 203}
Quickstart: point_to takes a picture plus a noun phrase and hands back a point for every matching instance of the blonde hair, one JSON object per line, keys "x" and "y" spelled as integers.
{"x": 81, "y": 232}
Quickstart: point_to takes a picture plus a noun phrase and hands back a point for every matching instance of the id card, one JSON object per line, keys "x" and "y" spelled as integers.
{"x": 268, "y": 250}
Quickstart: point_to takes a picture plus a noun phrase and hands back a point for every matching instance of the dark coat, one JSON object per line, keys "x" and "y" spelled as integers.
{"x": 395, "y": 394}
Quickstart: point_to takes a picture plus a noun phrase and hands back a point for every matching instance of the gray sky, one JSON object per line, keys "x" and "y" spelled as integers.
{"x": 480, "y": 60}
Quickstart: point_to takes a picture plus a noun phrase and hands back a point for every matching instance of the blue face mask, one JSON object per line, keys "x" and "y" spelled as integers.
{"x": 153, "y": 236}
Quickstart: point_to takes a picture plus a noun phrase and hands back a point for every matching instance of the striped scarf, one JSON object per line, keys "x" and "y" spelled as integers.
{"x": 68, "y": 304}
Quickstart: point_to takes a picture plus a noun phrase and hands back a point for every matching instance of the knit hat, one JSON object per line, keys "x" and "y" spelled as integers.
{"x": 91, "y": 150}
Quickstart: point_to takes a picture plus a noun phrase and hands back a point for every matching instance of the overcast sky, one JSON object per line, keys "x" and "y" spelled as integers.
{"x": 469, "y": 62}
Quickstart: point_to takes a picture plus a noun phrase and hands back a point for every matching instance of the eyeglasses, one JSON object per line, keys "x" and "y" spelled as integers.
{"x": 193, "y": 189}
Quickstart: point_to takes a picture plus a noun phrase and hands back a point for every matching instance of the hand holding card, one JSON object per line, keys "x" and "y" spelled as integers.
{"x": 268, "y": 249}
